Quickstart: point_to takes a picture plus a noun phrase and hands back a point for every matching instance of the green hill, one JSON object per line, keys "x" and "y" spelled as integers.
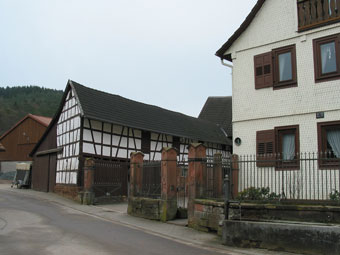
{"x": 16, "y": 102}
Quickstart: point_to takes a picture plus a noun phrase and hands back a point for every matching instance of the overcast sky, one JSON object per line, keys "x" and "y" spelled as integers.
{"x": 160, "y": 52}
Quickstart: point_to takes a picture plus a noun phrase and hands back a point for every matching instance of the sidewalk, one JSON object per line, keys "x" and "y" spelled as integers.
{"x": 116, "y": 213}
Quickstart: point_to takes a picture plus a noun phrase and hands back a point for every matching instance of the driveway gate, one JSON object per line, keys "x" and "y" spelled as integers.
{"x": 110, "y": 178}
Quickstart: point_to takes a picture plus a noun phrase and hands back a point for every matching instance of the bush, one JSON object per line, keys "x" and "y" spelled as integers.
{"x": 335, "y": 195}
{"x": 259, "y": 194}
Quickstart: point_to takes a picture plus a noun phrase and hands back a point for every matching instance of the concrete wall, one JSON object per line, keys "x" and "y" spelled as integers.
{"x": 264, "y": 109}
{"x": 208, "y": 216}
{"x": 285, "y": 212}
{"x": 298, "y": 238}
{"x": 145, "y": 208}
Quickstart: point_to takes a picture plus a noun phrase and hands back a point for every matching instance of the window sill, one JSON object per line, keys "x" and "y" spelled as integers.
{"x": 327, "y": 78}
{"x": 285, "y": 85}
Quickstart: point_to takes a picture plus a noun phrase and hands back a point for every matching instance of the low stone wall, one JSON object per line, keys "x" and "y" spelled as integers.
{"x": 305, "y": 213}
{"x": 145, "y": 208}
{"x": 208, "y": 216}
{"x": 68, "y": 191}
{"x": 290, "y": 237}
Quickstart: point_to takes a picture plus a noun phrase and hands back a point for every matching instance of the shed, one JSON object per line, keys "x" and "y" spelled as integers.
{"x": 19, "y": 141}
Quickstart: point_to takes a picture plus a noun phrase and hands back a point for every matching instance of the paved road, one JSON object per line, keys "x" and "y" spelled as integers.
{"x": 31, "y": 226}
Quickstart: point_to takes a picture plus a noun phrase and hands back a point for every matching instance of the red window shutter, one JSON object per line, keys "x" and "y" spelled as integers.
{"x": 263, "y": 69}
{"x": 265, "y": 148}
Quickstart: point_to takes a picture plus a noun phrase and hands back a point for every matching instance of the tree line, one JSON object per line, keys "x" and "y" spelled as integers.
{"x": 16, "y": 102}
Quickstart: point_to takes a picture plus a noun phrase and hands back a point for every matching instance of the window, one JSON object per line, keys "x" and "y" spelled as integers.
{"x": 276, "y": 69}
{"x": 284, "y": 67}
{"x": 288, "y": 147}
{"x": 278, "y": 147}
{"x": 326, "y": 58}
{"x": 146, "y": 142}
{"x": 329, "y": 144}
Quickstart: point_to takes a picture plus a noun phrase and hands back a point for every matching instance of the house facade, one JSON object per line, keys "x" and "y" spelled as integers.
{"x": 286, "y": 79}
{"x": 95, "y": 124}
{"x": 17, "y": 143}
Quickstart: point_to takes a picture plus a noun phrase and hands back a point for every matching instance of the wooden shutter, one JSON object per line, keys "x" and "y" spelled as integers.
{"x": 265, "y": 148}
{"x": 146, "y": 142}
{"x": 263, "y": 70}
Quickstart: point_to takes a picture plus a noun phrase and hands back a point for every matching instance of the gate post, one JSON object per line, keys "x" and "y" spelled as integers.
{"x": 235, "y": 173}
{"x": 88, "y": 195}
{"x": 168, "y": 182}
{"x": 196, "y": 176}
{"x": 218, "y": 175}
{"x": 136, "y": 166}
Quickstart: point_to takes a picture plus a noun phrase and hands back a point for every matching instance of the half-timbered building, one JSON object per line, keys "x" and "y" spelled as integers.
{"x": 103, "y": 126}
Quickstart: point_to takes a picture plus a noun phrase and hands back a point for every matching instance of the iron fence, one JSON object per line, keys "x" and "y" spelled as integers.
{"x": 151, "y": 180}
{"x": 110, "y": 178}
{"x": 182, "y": 185}
{"x": 308, "y": 176}
{"x": 214, "y": 172}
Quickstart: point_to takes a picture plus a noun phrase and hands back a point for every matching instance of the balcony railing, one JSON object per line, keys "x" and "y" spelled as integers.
{"x": 316, "y": 13}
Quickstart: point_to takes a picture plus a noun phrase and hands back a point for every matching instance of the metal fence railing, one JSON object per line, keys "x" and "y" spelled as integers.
{"x": 151, "y": 180}
{"x": 182, "y": 185}
{"x": 215, "y": 172}
{"x": 308, "y": 176}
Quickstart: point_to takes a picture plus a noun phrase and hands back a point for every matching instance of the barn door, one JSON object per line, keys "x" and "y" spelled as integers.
{"x": 52, "y": 172}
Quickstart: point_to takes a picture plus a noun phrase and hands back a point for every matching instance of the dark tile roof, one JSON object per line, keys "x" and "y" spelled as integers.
{"x": 219, "y": 110}
{"x": 122, "y": 111}
{"x": 239, "y": 31}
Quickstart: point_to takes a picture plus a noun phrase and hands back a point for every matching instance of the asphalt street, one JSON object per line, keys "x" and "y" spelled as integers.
{"x": 31, "y": 226}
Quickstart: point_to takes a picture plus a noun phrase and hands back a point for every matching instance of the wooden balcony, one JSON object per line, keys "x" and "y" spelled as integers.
{"x": 316, "y": 13}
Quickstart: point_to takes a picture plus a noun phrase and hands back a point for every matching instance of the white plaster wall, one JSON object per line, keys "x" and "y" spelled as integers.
{"x": 68, "y": 137}
{"x": 246, "y": 130}
{"x": 308, "y": 182}
{"x": 275, "y": 26}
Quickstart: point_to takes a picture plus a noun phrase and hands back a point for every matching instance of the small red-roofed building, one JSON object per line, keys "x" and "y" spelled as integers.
{"x": 17, "y": 143}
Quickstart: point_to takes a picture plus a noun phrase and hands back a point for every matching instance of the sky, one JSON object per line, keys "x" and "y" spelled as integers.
{"x": 159, "y": 52}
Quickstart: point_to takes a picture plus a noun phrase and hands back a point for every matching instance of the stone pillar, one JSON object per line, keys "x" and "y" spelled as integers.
{"x": 196, "y": 176}
{"x": 218, "y": 175}
{"x": 235, "y": 173}
{"x": 88, "y": 194}
{"x": 136, "y": 166}
{"x": 169, "y": 183}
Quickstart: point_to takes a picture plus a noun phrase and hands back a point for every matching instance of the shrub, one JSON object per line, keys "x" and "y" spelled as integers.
{"x": 260, "y": 194}
{"x": 335, "y": 195}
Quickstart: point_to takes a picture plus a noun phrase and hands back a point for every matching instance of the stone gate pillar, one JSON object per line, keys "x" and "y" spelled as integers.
{"x": 196, "y": 176}
{"x": 169, "y": 184}
{"x": 136, "y": 166}
{"x": 88, "y": 194}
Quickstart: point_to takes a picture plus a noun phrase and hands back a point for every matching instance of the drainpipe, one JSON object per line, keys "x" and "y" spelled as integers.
{"x": 226, "y": 64}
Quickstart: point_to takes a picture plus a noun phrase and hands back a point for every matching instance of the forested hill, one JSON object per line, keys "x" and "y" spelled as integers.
{"x": 16, "y": 102}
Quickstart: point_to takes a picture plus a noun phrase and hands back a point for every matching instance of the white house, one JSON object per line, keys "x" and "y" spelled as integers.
{"x": 286, "y": 81}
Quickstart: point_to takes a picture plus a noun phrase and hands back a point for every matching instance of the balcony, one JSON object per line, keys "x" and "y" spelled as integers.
{"x": 317, "y": 13}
